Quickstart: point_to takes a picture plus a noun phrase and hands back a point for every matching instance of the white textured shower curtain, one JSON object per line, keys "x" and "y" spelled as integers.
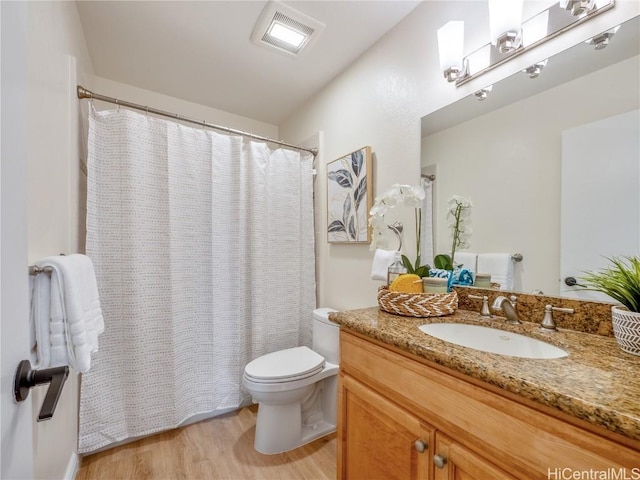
{"x": 204, "y": 252}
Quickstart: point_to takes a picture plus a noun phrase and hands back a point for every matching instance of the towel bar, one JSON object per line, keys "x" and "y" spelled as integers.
{"x": 35, "y": 270}
{"x": 517, "y": 257}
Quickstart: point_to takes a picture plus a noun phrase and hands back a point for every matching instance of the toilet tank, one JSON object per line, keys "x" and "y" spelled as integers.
{"x": 326, "y": 335}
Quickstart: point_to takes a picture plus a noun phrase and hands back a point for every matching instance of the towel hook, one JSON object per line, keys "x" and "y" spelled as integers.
{"x": 397, "y": 229}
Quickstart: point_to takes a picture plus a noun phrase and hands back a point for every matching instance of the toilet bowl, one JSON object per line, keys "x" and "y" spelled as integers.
{"x": 296, "y": 390}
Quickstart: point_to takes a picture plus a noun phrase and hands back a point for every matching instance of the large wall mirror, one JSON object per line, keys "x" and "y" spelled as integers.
{"x": 543, "y": 173}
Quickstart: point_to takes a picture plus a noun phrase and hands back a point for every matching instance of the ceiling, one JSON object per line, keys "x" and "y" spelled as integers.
{"x": 201, "y": 51}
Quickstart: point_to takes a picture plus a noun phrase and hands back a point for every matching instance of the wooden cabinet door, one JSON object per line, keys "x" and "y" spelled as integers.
{"x": 378, "y": 440}
{"x": 452, "y": 461}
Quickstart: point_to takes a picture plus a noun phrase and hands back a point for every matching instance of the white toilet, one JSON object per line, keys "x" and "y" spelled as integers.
{"x": 296, "y": 389}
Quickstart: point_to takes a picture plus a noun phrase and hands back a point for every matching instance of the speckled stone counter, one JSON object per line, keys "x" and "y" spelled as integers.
{"x": 597, "y": 382}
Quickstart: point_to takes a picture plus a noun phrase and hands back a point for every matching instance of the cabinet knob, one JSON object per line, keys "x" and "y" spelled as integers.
{"x": 420, "y": 445}
{"x": 439, "y": 461}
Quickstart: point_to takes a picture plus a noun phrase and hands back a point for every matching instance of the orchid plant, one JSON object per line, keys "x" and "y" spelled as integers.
{"x": 458, "y": 217}
{"x": 399, "y": 195}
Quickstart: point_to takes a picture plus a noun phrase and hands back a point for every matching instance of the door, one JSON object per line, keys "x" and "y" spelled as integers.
{"x": 378, "y": 439}
{"x": 600, "y": 197}
{"x": 454, "y": 462}
{"x": 16, "y": 457}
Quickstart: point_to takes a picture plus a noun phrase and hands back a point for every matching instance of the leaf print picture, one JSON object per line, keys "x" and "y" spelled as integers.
{"x": 349, "y": 197}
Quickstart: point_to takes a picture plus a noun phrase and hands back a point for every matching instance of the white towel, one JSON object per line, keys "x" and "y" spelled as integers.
{"x": 381, "y": 262}
{"x": 468, "y": 260}
{"x": 500, "y": 266}
{"x": 72, "y": 319}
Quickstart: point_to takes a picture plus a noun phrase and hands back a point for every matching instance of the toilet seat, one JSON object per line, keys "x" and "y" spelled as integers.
{"x": 285, "y": 366}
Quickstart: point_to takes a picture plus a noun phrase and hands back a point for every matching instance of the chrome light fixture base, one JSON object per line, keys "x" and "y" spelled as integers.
{"x": 508, "y": 42}
{"x": 453, "y": 74}
{"x": 579, "y": 7}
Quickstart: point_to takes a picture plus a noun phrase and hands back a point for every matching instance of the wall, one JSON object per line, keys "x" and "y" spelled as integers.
{"x": 16, "y": 455}
{"x": 144, "y": 97}
{"x": 509, "y": 164}
{"x": 379, "y": 101}
{"x": 57, "y": 54}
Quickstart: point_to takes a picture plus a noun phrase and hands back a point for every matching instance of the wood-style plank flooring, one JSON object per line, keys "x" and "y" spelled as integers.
{"x": 218, "y": 448}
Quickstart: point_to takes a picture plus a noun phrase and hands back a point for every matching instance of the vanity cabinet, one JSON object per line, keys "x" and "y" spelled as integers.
{"x": 454, "y": 461}
{"x": 464, "y": 429}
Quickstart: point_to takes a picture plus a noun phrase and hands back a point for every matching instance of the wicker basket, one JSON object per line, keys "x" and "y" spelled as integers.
{"x": 626, "y": 328}
{"x": 417, "y": 304}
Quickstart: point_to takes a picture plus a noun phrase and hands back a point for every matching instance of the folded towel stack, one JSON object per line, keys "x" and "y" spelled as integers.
{"x": 460, "y": 276}
{"x": 66, "y": 312}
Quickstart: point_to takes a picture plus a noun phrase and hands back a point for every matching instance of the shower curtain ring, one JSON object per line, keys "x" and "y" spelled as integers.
{"x": 118, "y": 104}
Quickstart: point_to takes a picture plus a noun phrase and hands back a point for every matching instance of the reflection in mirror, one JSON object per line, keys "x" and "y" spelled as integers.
{"x": 506, "y": 153}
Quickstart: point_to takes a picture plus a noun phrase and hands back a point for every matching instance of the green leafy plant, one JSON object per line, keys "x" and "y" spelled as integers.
{"x": 621, "y": 281}
{"x": 417, "y": 269}
{"x": 458, "y": 216}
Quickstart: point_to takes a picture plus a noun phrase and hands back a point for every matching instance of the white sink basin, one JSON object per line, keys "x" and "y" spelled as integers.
{"x": 492, "y": 340}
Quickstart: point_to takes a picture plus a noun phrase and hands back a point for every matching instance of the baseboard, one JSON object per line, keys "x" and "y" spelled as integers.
{"x": 72, "y": 467}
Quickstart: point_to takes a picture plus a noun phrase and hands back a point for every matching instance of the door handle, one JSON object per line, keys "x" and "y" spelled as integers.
{"x": 26, "y": 377}
{"x": 572, "y": 282}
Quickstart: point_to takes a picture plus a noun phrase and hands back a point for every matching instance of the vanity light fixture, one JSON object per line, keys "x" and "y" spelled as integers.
{"x": 451, "y": 51}
{"x": 505, "y": 24}
{"x": 601, "y": 41}
{"x": 578, "y": 7}
{"x": 534, "y": 70}
{"x": 510, "y": 36}
{"x": 481, "y": 94}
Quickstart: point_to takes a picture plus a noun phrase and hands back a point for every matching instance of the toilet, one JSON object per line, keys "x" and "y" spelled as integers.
{"x": 296, "y": 389}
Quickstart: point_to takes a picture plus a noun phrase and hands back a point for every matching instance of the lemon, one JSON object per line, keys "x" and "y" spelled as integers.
{"x": 407, "y": 283}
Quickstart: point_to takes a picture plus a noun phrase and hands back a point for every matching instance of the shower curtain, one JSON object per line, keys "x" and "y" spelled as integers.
{"x": 204, "y": 253}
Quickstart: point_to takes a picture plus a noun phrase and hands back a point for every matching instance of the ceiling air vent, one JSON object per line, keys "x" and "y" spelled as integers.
{"x": 285, "y": 29}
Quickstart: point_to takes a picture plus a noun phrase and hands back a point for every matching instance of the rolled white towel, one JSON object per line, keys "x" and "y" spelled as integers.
{"x": 381, "y": 261}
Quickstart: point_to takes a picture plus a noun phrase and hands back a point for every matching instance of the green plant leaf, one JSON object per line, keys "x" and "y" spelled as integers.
{"x": 422, "y": 271}
{"x": 443, "y": 261}
{"x": 407, "y": 263}
{"x": 621, "y": 281}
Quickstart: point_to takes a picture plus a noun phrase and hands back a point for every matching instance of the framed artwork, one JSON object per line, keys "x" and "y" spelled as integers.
{"x": 349, "y": 197}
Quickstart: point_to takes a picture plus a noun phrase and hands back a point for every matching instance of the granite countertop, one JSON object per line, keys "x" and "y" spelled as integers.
{"x": 597, "y": 382}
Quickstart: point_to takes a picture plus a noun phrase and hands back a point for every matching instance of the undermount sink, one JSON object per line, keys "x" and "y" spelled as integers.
{"x": 492, "y": 340}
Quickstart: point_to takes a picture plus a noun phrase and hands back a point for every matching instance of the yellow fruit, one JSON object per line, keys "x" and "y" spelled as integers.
{"x": 407, "y": 283}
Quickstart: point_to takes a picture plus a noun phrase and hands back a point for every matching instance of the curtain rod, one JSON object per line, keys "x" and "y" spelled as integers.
{"x": 84, "y": 93}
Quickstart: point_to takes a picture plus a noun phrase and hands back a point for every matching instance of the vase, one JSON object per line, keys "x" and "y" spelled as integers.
{"x": 626, "y": 328}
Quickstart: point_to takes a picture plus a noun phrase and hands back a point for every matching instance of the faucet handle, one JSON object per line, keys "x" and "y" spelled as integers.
{"x": 547, "y": 321}
{"x": 484, "y": 310}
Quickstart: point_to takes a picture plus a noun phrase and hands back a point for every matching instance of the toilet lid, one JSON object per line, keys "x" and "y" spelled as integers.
{"x": 283, "y": 365}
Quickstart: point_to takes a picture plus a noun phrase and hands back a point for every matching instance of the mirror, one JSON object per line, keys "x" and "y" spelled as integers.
{"x": 505, "y": 152}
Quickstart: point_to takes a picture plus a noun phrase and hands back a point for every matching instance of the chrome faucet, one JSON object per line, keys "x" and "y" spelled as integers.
{"x": 508, "y": 306}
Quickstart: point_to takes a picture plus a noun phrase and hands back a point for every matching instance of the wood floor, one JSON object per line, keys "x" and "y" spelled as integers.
{"x": 219, "y": 448}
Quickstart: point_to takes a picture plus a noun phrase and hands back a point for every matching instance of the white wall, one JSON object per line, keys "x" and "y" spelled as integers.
{"x": 379, "y": 101}
{"x": 57, "y": 54}
{"x": 16, "y": 420}
{"x": 192, "y": 110}
{"x": 509, "y": 162}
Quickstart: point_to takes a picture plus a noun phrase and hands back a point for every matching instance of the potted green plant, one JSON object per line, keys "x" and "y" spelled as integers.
{"x": 621, "y": 281}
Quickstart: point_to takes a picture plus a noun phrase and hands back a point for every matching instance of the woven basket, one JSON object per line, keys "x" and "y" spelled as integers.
{"x": 417, "y": 304}
{"x": 626, "y": 328}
